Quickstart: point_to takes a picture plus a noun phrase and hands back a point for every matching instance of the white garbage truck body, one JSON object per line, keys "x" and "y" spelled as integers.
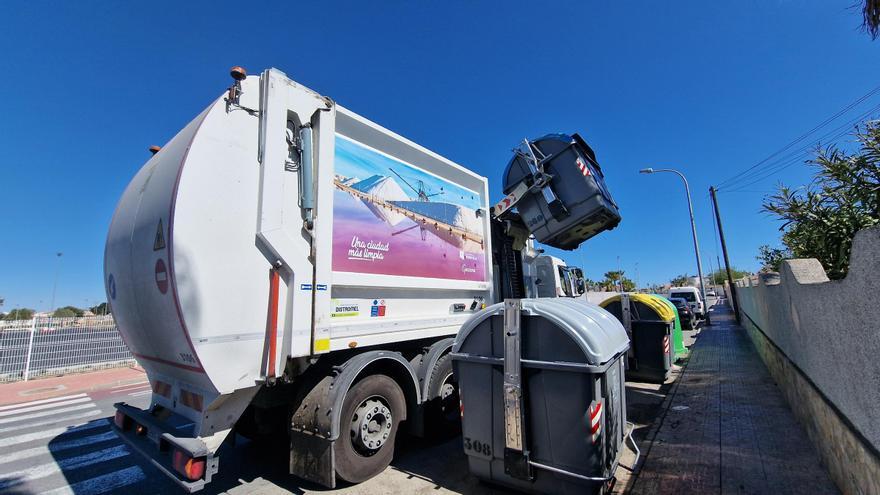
{"x": 275, "y": 229}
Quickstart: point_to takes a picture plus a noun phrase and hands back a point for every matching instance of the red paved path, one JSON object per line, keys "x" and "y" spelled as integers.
{"x": 44, "y": 388}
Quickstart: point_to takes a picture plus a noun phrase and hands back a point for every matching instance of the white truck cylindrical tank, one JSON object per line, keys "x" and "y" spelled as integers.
{"x": 399, "y": 256}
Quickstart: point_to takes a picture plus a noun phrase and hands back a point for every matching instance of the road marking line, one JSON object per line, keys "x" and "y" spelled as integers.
{"x": 42, "y": 401}
{"x": 65, "y": 465}
{"x": 102, "y": 484}
{"x": 129, "y": 389}
{"x": 45, "y": 406}
{"x": 52, "y": 421}
{"x": 138, "y": 394}
{"x": 58, "y": 447}
{"x": 130, "y": 384}
{"x": 46, "y": 413}
{"x": 38, "y": 435}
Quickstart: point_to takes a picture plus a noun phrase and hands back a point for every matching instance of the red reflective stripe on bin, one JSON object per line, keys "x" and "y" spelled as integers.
{"x": 585, "y": 170}
{"x": 596, "y": 420}
{"x": 666, "y": 344}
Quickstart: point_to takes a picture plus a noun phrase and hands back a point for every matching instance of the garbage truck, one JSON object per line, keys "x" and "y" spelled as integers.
{"x": 284, "y": 267}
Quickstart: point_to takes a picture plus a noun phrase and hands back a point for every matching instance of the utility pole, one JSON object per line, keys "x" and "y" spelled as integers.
{"x": 733, "y": 300}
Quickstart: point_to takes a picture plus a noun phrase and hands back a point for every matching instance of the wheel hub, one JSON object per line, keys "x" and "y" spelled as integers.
{"x": 371, "y": 425}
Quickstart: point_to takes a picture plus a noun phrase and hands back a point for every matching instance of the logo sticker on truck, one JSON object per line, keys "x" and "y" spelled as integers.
{"x": 342, "y": 310}
{"x": 378, "y": 308}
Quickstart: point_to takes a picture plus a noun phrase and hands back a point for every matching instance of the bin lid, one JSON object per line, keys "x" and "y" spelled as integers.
{"x": 594, "y": 336}
{"x": 650, "y": 302}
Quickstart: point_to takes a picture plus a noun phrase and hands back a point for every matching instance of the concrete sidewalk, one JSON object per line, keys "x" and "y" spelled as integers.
{"x": 46, "y": 388}
{"x": 726, "y": 428}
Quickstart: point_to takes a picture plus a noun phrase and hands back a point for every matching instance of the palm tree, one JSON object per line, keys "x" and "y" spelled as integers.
{"x": 871, "y": 17}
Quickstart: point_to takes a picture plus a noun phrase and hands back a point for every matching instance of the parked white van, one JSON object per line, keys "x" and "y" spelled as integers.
{"x": 692, "y": 296}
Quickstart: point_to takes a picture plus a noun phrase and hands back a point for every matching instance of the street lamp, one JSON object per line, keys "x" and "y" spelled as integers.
{"x": 55, "y": 283}
{"x": 687, "y": 190}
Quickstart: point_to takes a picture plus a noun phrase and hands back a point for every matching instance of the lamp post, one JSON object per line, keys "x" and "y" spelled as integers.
{"x": 687, "y": 190}
{"x": 55, "y": 283}
{"x": 637, "y": 276}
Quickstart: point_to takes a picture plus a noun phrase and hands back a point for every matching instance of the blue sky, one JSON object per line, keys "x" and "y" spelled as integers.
{"x": 710, "y": 90}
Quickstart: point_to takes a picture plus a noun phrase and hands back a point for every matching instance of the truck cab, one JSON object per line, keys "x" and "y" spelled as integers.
{"x": 554, "y": 278}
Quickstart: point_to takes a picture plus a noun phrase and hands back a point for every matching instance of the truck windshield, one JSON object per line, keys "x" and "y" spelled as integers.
{"x": 687, "y": 296}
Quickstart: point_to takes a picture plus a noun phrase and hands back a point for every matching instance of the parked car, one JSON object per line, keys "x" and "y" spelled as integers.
{"x": 711, "y": 293}
{"x": 685, "y": 315}
{"x": 692, "y": 296}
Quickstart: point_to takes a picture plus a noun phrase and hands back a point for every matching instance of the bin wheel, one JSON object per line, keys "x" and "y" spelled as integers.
{"x": 443, "y": 409}
{"x": 370, "y": 415}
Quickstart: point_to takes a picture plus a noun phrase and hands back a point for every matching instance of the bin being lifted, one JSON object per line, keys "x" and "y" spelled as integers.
{"x": 559, "y": 191}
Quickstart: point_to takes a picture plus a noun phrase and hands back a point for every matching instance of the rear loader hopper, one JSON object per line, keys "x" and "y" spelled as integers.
{"x": 286, "y": 266}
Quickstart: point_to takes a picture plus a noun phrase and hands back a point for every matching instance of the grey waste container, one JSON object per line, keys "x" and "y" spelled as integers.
{"x": 542, "y": 394}
{"x": 651, "y": 323}
{"x": 575, "y": 205}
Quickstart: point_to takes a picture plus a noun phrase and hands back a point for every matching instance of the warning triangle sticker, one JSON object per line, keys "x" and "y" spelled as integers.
{"x": 159, "y": 242}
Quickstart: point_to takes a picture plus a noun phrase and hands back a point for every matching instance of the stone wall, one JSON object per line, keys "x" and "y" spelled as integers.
{"x": 820, "y": 340}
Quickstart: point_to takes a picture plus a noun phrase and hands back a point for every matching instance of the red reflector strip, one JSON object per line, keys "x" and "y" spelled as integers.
{"x": 191, "y": 400}
{"x": 162, "y": 389}
{"x": 666, "y": 344}
{"x": 272, "y": 322}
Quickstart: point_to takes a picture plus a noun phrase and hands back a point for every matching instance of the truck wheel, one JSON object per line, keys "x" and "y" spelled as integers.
{"x": 370, "y": 415}
{"x": 443, "y": 414}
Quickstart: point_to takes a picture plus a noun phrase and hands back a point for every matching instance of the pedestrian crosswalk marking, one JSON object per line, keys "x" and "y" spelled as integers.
{"x": 39, "y": 435}
{"x": 69, "y": 464}
{"x": 131, "y": 388}
{"x": 41, "y": 401}
{"x": 48, "y": 457}
{"x": 103, "y": 483}
{"x": 130, "y": 384}
{"x": 44, "y": 406}
{"x": 58, "y": 447}
{"x": 42, "y": 414}
{"x": 62, "y": 419}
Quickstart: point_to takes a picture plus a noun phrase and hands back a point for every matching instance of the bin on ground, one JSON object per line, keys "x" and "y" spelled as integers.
{"x": 541, "y": 383}
{"x": 649, "y": 323}
{"x": 678, "y": 349}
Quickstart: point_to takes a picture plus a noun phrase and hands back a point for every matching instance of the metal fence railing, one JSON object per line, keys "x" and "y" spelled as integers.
{"x": 45, "y": 346}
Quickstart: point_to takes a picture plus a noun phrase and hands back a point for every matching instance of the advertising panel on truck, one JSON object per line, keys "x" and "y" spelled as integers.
{"x": 392, "y": 218}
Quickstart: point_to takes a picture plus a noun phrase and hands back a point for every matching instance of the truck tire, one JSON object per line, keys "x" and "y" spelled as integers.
{"x": 370, "y": 415}
{"x": 443, "y": 414}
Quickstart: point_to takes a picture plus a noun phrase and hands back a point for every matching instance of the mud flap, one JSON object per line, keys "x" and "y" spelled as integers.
{"x": 312, "y": 458}
{"x": 311, "y": 447}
